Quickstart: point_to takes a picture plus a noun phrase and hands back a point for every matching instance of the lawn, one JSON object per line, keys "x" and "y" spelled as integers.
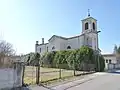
{"x": 46, "y": 74}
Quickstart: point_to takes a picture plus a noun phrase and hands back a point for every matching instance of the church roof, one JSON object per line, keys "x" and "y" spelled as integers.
{"x": 58, "y": 37}
{"x": 75, "y": 36}
{"x": 108, "y": 54}
{"x": 65, "y": 38}
{"x": 89, "y": 18}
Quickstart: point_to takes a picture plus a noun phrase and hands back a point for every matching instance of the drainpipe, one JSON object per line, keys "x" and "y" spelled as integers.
{"x": 98, "y": 51}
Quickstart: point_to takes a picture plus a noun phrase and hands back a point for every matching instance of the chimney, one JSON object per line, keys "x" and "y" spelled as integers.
{"x": 37, "y": 42}
{"x": 42, "y": 40}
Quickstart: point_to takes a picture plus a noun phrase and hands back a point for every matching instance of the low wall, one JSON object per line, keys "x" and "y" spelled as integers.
{"x": 113, "y": 66}
{"x": 10, "y": 78}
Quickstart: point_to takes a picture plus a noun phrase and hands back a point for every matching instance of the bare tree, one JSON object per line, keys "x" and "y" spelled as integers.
{"x": 6, "y": 51}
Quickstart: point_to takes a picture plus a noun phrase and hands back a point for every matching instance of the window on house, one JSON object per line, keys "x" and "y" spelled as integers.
{"x": 87, "y": 42}
{"x": 93, "y": 26}
{"x": 47, "y": 49}
{"x": 109, "y": 60}
{"x": 106, "y": 60}
{"x": 86, "y": 26}
{"x": 40, "y": 50}
{"x": 53, "y": 48}
{"x": 68, "y": 47}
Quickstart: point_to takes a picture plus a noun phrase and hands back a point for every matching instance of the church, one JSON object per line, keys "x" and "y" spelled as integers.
{"x": 88, "y": 37}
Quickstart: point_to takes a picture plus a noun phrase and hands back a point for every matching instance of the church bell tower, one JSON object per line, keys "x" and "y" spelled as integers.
{"x": 89, "y": 29}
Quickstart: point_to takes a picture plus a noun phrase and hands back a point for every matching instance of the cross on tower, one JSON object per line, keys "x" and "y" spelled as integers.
{"x": 88, "y": 12}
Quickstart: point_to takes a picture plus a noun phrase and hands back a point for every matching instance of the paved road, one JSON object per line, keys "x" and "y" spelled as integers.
{"x": 97, "y": 81}
{"x": 108, "y": 81}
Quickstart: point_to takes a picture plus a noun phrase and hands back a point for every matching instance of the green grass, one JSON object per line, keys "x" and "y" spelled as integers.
{"x": 53, "y": 74}
{"x": 31, "y": 68}
{"x": 30, "y": 74}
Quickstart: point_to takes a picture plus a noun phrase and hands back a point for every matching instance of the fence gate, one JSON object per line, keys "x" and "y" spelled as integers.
{"x": 30, "y": 75}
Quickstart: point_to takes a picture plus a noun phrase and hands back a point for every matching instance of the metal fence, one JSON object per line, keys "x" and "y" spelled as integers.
{"x": 30, "y": 75}
{"x": 48, "y": 74}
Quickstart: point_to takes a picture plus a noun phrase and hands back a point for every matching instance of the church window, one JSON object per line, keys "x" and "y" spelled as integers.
{"x": 68, "y": 47}
{"x": 86, "y": 26}
{"x": 109, "y": 60}
{"x": 93, "y": 26}
{"x": 53, "y": 48}
{"x": 106, "y": 60}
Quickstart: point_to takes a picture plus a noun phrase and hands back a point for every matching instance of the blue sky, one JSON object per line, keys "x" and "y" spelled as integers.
{"x": 22, "y": 22}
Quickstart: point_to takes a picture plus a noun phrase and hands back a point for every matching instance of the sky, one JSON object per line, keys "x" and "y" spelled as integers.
{"x": 23, "y": 22}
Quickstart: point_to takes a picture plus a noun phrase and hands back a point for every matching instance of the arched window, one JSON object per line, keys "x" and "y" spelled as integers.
{"x": 93, "y": 26}
{"x": 68, "y": 47}
{"x": 53, "y": 48}
{"x": 110, "y": 61}
{"x": 86, "y": 26}
{"x": 106, "y": 60}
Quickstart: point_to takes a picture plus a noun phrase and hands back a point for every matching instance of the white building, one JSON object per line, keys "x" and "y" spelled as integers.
{"x": 89, "y": 37}
{"x": 112, "y": 61}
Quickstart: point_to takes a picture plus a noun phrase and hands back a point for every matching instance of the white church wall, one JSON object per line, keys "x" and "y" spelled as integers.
{"x": 91, "y": 24}
{"x": 94, "y": 41}
{"x": 56, "y": 44}
{"x": 83, "y": 26}
{"x": 81, "y": 40}
{"x": 75, "y": 43}
{"x": 93, "y": 38}
{"x": 63, "y": 44}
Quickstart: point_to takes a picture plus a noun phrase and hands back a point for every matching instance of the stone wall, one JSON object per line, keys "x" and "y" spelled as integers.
{"x": 11, "y": 77}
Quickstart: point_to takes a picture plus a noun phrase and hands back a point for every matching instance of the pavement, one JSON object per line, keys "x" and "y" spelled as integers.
{"x": 38, "y": 88}
{"x": 33, "y": 87}
{"x": 96, "y": 81}
{"x": 76, "y": 82}
{"x": 108, "y": 81}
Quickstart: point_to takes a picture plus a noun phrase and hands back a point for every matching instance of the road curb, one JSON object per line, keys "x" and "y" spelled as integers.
{"x": 74, "y": 83}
